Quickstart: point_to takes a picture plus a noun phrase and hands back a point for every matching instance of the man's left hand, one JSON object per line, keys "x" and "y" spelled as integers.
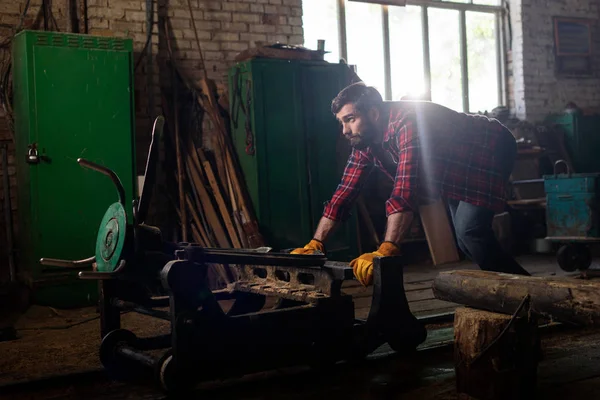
{"x": 363, "y": 265}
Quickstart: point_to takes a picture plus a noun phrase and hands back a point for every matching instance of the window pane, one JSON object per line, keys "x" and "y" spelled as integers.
{"x": 319, "y": 20}
{"x": 487, "y": 2}
{"x": 482, "y": 61}
{"x": 364, "y": 31}
{"x": 407, "y": 71}
{"x": 444, "y": 50}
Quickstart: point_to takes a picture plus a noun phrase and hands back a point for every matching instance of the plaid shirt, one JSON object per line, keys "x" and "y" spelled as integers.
{"x": 432, "y": 152}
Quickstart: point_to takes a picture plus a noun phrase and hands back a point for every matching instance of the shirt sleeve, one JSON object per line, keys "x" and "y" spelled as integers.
{"x": 358, "y": 168}
{"x": 404, "y": 193}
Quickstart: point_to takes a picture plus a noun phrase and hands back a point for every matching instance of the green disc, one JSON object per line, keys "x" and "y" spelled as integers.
{"x": 111, "y": 238}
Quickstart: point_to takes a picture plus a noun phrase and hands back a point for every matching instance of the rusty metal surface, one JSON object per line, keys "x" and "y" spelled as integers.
{"x": 308, "y": 285}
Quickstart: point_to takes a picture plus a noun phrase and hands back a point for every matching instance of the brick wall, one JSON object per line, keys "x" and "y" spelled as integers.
{"x": 224, "y": 29}
{"x": 537, "y": 90}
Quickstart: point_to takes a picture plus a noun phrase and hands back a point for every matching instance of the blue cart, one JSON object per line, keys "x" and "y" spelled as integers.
{"x": 572, "y": 216}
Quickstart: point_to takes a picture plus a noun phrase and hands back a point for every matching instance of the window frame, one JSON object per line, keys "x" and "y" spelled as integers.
{"x": 497, "y": 11}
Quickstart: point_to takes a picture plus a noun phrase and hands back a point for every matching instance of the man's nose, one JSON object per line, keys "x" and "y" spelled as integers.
{"x": 346, "y": 130}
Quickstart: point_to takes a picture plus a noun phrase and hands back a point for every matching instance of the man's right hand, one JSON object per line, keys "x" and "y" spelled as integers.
{"x": 313, "y": 247}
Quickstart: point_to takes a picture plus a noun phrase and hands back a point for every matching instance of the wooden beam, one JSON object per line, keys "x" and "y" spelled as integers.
{"x": 566, "y": 300}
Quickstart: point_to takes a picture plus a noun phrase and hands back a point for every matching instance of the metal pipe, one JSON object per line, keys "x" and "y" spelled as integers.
{"x": 128, "y": 305}
{"x": 54, "y": 262}
{"x": 426, "y": 55}
{"x": 8, "y": 214}
{"x": 387, "y": 63}
{"x": 103, "y": 170}
{"x": 464, "y": 60}
{"x": 155, "y": 342}
{"x": 136, "y": 355}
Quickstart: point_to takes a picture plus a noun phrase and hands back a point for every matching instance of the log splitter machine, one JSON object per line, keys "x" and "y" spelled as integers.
{"x": 311, "y": 322}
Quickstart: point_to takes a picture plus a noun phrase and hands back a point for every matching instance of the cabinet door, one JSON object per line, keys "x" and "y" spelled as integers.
{"x": 327, "y": 151}
{"x": 83, "y": 100}
{"x": 281, "y": 153}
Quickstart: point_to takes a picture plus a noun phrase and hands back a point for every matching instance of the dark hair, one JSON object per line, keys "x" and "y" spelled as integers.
{"x": 362, "y": 96}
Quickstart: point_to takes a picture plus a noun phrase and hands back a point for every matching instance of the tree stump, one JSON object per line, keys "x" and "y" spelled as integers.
{"x": 491, "y": 362}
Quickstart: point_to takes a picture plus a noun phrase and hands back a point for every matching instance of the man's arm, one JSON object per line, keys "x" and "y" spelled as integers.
{"x": 337, "y": 210}
{"x": 325, "y": 228}
{"x": 402, "y": 201}
{"x": 397, "y": 226}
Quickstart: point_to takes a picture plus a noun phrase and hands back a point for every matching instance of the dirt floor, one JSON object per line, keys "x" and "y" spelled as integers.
{"x": 54, "y": 342}
{"x": 569, "y": 370}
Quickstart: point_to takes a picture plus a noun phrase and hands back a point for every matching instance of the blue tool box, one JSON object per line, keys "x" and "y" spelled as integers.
{"x": 572, "y": 206}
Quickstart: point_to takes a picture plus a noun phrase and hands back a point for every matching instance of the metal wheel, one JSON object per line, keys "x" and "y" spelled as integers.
{"x": 574, "y": 256}
{"x": 117, "y": 366}
{"x": 170, "y": 380}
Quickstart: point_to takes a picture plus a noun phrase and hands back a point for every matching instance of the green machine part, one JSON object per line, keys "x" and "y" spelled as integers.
{"x": 291, "y": 153}
{"x": 73, "y": 97}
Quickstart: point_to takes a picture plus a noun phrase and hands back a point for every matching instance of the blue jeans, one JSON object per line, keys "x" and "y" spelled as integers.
{"x": 473, "y": 228}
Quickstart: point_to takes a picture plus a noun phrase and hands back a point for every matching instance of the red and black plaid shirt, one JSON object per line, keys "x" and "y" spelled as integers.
{"x": 435, "y": 152}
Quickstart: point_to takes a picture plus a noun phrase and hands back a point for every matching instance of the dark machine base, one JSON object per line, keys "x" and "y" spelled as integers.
{"x": 311, "y": 323}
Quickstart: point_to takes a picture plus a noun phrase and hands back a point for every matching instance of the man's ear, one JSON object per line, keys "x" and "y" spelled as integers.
{"x": 374, "y": 114}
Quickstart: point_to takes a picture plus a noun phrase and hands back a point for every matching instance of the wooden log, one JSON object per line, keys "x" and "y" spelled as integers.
{"x": 566, "y": 300}
{"x": 495, "y": 356}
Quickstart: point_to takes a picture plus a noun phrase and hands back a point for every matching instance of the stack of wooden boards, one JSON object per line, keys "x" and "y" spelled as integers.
{"x": 212, "y": 204}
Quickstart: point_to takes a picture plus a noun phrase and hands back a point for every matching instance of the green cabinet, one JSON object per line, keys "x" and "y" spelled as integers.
{"x": 582, "y": 138}
{"x": 291, "y": 152}
{"x": 73, "y": 97}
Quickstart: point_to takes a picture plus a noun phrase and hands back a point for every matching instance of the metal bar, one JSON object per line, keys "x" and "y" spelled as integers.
{"x": 103, "y": 170}
{"x": 216, "y": 256}
{"x": 526, "y": 181}
{"x": 136, "y": 355}
{"x": 426, "y": 55}
{"x": 454, "y": 6}
{"x": 8, "y": 214}
{"x": 501, "y": 60}
{"x": 387, "y": 63}
{"x": 54, "y": 262}
{"x": 130, "y": 306}
{"x": 154, "y": 342}
{"x": 400, "y": 3}
{"x": 464, "y": 59}
{"x": 341, "y": 4}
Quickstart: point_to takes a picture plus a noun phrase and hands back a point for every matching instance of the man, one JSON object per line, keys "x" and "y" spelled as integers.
{"x": 429, "y": 151}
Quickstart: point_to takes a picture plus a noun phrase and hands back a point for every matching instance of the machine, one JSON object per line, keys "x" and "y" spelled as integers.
{"x": 311, "y": 321}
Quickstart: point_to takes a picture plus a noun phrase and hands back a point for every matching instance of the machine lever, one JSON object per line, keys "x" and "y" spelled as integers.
{"x": 102, "y": 275}
{"x": 53, "y": 262}
{"x": 115, "y": 179}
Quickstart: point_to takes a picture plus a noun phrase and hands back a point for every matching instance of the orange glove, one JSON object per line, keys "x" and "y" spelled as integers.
{"x": 311, "y": 248}
{"x": 363, "y": 265}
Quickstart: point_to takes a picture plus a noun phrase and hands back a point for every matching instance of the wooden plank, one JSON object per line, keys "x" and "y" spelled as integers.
{"x": 439, "y": 233}
{"x": 221, "y": 204}
{"x": 210, "y": 214}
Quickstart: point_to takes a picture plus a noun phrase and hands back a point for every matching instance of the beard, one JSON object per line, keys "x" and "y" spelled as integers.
{"x": 363, "y": 139}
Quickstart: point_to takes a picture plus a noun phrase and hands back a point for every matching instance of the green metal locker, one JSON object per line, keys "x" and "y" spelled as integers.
{"x": 292, "y": 153}
{"x": 73, "y": 97}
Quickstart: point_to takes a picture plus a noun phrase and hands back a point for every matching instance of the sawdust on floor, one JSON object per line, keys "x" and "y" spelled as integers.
{"x": 52, "y": 342}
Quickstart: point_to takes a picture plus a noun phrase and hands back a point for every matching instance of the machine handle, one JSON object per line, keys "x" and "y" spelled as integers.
{"x": 557, "y": 163}
{"x": 103, "y": 170}
{"x": 102, "y": 275}
{"x": 53, "y": 262}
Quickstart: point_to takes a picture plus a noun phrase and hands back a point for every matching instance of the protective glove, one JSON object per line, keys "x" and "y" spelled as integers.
{"x": 363, "y": 265}
{"x": 311, "y": 248}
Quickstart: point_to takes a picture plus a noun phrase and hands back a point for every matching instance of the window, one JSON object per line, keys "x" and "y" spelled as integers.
{"x": 445, "y": 51}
